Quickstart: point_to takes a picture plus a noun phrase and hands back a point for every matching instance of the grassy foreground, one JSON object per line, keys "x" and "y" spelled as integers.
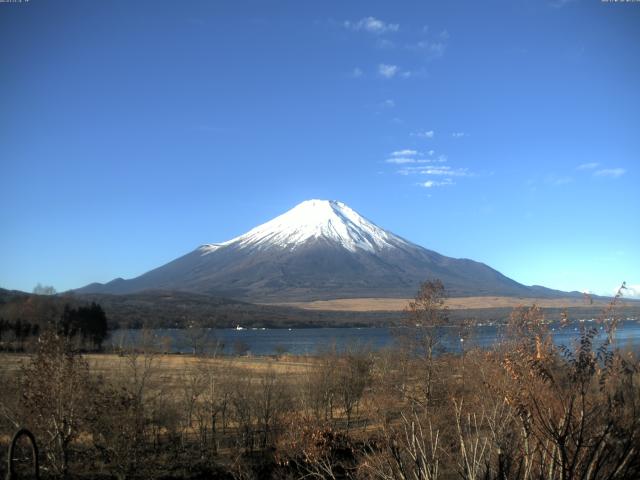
{"x": 524, "y": 410}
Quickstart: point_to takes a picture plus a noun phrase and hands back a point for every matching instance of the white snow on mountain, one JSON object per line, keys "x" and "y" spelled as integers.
{"x": 315, "y": 219}
{"x": 209, "y": 247}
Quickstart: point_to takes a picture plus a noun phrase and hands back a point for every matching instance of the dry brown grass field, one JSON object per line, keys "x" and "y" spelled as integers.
{"x": 170, "y": 369}
{"x": 462, "y": 303}
{"x": 169, "y": 364}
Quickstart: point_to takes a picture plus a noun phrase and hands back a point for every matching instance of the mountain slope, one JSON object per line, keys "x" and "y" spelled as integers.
{"x": 317, "y": 250}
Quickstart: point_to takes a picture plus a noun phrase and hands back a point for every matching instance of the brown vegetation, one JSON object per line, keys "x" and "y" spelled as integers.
{"x": 455, "y": 303}
{"x": 523, "y": 410}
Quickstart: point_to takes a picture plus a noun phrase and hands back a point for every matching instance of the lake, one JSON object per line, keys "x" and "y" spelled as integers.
{"x": 312, "y": 340}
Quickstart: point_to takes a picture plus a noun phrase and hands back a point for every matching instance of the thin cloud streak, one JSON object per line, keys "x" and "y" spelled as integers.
{"x": 435, "y": 183}
{"x": 442, "y": 170}
{"x": 610, "y": 172}
{"x": 372, "y": 25}
{"x": 431, "y": 48}
{"x": 406, "y": 160}
{"x": 425, "y": 134}
{"x": 404, "y": 153}
{"x": 588, "y": 166}
{"x": 557, "y": 181}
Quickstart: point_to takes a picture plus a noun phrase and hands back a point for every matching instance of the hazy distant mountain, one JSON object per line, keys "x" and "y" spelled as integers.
{"x": 319, "y": 250}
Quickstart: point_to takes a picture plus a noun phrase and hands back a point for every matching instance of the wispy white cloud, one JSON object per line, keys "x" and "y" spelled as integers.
{"x": 406, "y": 160}
{"x": 610, "y": 172}
{"x": 387, "y": 71}
{"x": 437, "y": 170}
{"x": 385, "y": 44}
{"x": 424, "y": 134}
{"x": 557, "y": 181}
{"x": 407, "y": 156}
{"x": 416, "y": 163}
{"x": 435, "y": 183}
{"x": 458, "y": 134}
{"x": 588, "y": 166}
{"x": 446, "y": 170}
{"x": 372, "y": 25}
{"x": 432, "y": 47}
{"x": 388, "y": 103}
{"x": 356, "y": 73}
{"x": 404, "y": 153}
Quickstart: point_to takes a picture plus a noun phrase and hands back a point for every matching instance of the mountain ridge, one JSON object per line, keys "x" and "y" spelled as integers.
{"x": 318, "y": 250}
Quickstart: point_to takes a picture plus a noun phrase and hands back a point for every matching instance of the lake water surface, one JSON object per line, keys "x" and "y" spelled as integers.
{"x": 312, "y": 340}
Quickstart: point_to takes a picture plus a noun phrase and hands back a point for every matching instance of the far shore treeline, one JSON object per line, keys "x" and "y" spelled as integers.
{"x": 20, "y": 326}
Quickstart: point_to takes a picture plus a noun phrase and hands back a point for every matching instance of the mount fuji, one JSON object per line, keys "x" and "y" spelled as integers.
{"x": 319, "y": 250}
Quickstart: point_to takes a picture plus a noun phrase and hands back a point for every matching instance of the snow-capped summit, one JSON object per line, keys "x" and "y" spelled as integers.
{"x": 312, "y": 220}
{"x": 319, "y": 249}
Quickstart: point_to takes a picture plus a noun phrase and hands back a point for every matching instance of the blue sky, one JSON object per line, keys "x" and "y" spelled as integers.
{"x": 503, "y": 131}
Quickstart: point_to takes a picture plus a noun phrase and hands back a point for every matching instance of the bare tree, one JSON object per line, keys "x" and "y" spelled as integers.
{"x": 201, "y": 339}
{"x": 320, "y": 385}
{"x": 422, "y": 332}
{"x": 40, "y": 289}
{"x": 132, "y": 408}
{"x": 56, "y": 388}
{"x": 242, "y": 409}
{"x": 353, "y": 376}
{"x": 272, "y": 398}
{"x": 314, "y": 451}
{"x": 408, "y": 450}
{"x": 474, "y": 445}
{"x": 214, "y": 401}
{"x": 193, "y": 387}
{"x": 578, "y": 408}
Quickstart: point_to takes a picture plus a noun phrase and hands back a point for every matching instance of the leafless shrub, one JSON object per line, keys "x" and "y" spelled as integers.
{"x": 309, "y": 449}
{"x": 408, "y": 450}
{"x": 352, "y": 377}
{"x": 56, "y": 397}
{"x": 319, "y": 386}
{"x": 577, "y": 408}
